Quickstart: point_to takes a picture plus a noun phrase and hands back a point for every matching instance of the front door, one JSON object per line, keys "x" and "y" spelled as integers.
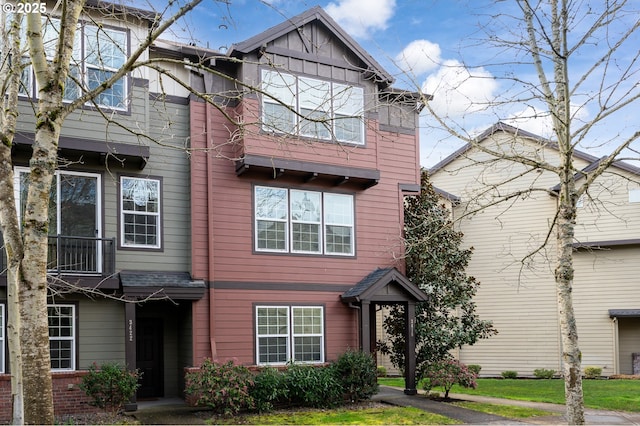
{"x": 149, "y": 360}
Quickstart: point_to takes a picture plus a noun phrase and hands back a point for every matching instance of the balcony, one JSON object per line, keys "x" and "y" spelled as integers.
{"x": 76, "y": 256}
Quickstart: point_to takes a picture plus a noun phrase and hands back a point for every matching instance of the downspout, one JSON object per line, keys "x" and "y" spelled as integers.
{"x": 210, "y": 245}
{"x": 352, "y": 305}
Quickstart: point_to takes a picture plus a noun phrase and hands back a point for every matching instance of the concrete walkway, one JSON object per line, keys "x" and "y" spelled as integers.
{"x": 396, "y": 396}
{"x": 174, "y": 411}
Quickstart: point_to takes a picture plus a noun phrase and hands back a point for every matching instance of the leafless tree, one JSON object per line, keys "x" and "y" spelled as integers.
{"x": 576, "y": 65}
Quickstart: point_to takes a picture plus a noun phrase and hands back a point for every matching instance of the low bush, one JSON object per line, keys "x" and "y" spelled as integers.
{"x": 592, "y": 372}
{"x": 543, "y": 373}
{"x": 382, "y": 371}
{"x": 310, "y": 386}
{"x": 447, "y": 373}
{"x": 269, "y": 389}
{"x": 357, "y": 374}
{"x": 509, "y": 374}
{"x": 224, "y": 388}
{"x": 475, "y": 369}
{"x": 109, "y": 386}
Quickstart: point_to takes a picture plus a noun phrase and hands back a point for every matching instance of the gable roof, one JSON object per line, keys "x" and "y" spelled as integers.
{"x": 376, "y": 286}
{"x": 295, "y": 23}
{"x": 503, "y": 127}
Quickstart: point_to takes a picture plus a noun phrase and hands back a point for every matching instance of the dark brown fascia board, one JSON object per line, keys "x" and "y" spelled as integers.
{"x": 175, "y": 50}
{"x": 391, "y": 276}
{"x": 138, "y": 153}
{"x": 607, "y": 243}
{"x": 281, "y": 165}
{"x": 409, "y": 188}
{"x": 110, "y": 8}
{"x": 316, "y": 13}
{"x": 280, "y": 286}
{"x": 449, "y": 196}
{"x": 172, "y": 293}
{"x": 624, "y": 313}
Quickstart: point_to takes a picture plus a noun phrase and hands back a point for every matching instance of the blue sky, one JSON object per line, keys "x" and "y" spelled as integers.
{"x": 438, "y": 46}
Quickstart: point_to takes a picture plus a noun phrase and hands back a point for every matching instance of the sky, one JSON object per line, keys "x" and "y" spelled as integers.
{"x": 441, "y": 48}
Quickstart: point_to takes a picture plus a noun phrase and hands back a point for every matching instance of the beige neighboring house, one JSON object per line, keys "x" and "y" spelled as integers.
{"x": 516, "y": 271}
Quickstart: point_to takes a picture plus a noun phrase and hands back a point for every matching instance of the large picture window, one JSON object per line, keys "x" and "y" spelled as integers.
{"x": 98, "y": 52}
{"x": 301, "y": 221}
{"x": 312, "y": 108}
{"x": 62, "y": 337}
{"x": 289, "y": 333}
{"x": 140, "y": 212}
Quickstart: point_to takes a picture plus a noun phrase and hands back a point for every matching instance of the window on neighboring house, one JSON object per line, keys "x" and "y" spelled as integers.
{"x": 634, "y": 195}
{"x": 289, "y": 333}
{"x": 312, "y": 108}
{"x": 140, "y": 212}
{"x": 2, "y": 338}
{"x": 62, "y": 337}
{"x": 301, "y": 221}
{"x": 98, "y": 52}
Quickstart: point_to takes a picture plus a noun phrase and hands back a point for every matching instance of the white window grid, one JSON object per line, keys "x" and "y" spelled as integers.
{"x": 342, "y": 217}
{"x": 2, "y": 338}
{"x": 154, "y": 215}
{"x": 62, "y": 337}
{"x": 297, "y": 324}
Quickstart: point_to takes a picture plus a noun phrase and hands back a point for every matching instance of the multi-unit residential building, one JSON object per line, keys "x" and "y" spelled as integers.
{"x": 516, "y": 270}
{"x": 260, "y": 222}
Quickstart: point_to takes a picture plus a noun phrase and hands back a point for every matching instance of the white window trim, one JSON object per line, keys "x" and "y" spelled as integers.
{"x": 289, "y": 225}
{"x": 634, "y": 195}
{"x": 16, "y": 188}
{"x": 32, "y": 85}
{"x": 123, "y": 242}
{"x": 334, "y": 87}
{"x": 291, "y": 334}
{"x": 72, "y": 339}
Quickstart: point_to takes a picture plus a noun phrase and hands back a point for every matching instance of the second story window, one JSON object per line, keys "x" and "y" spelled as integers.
{"x": 301, "y": 221}
{"x": 140, "y": 212}
{"x": 312, "y": 108}
{"x": 98, "y": 52}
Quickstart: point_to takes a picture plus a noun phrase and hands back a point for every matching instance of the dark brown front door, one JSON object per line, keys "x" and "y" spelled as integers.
{"x": 149, "y": 357}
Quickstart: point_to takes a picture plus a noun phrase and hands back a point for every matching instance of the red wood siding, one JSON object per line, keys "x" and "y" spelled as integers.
{"x": 223, "y": 251}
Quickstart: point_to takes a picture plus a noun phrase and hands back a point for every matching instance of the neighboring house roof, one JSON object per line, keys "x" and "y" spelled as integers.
{"x": 316, "y": 13}
{"x": 444, "y": 194}
{"x": 502, "y": 127}
{"x": 384, "y": 285}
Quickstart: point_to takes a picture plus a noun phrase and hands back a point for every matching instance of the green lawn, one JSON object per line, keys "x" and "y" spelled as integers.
{"x": 620, "y": 395}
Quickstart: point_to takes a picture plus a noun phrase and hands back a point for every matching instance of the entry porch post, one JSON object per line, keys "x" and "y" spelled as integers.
{"x": 410, "y": 348}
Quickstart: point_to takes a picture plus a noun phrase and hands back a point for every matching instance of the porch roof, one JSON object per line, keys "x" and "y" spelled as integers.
{"x": 159, "y": 284}
{"x": 624, "y": 313}
{"x": 384, "y": 285}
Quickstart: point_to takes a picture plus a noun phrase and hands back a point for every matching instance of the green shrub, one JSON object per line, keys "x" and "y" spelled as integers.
{"x": 310, "y": 386}
{"x": 543, "y": 373}
{"x": 509, "y": 374}
{"x": 591, "y": 372}
{"x": 110, "y": 386}
{"x": 269, "y": 389}
{"x": 475, "y": 369}
{"x": 382, "y": 371}
{"x": 447, "y": 373}
{"x": 357, "y": 374}
{"x": 224, "y": 388}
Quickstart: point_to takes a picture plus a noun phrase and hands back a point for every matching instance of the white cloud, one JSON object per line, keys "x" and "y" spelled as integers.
{"x": 359, "y": 17}
{"x": 538, "y": 121}
{"x": 458, "y": 91}
{"x": 418, "y": 57}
